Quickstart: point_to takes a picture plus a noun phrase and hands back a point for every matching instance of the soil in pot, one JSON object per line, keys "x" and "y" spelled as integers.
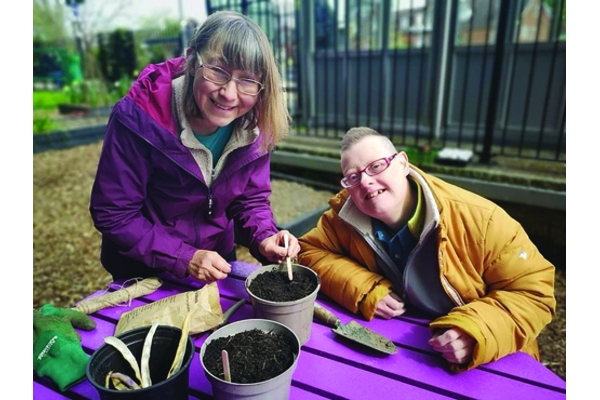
{"x": 276, "y": 286}
{"x": 254, "y": 355}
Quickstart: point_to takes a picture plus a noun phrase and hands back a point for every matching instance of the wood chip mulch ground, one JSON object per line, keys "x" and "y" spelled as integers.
{"x": 66, "y": 246}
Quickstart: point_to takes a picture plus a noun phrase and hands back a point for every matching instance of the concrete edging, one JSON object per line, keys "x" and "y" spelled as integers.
{"x": 66, "y": 139}
{"x": 491, "y": 190}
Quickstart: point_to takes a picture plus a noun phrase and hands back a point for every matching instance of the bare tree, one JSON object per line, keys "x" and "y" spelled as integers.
{"x": 88, "y": 19}
{"x": 50, "y": 22}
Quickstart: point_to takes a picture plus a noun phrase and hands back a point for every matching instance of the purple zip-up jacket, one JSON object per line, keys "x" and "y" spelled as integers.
{"x": 149, "y": 199}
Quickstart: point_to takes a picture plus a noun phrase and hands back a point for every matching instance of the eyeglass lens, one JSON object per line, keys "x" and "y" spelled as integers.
{"x": 374, "y": 168}
{"x": 220, "y": 76}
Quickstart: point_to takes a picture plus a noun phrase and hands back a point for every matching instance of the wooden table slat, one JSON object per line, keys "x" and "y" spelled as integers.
{"x": 41, "y": 392}
{"x": 416, "y": 336}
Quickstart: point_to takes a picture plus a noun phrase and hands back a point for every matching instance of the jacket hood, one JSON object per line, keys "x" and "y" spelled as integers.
{"x": 152, "y": 90}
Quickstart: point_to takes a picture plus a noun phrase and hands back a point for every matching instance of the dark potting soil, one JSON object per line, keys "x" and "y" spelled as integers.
{"x": 276, "y": 286}
{"x": 254, "y": 356}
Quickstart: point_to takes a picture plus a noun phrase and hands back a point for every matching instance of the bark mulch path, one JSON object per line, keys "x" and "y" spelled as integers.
{"x": 66, "y": 246}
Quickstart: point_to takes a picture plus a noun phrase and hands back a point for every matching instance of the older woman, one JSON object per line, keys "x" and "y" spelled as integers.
{"x": 186, "y": 157}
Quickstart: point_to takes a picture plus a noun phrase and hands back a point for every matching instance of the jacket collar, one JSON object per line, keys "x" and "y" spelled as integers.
{"x": 239, "y": 138}
{"x": 362, "y": 222}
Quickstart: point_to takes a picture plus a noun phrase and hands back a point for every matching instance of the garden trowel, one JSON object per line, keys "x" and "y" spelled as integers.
{"x": 354, "y": 331}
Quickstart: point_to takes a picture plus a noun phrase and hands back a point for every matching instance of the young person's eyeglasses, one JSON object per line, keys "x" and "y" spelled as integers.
{"x": 374, "y": 168}
{"x": 218, "y": 75}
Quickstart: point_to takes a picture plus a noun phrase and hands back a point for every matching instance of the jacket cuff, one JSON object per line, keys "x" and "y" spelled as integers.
{"x": 470, "y": 328}
{"x": 181, "y": 265}
{"x": 368, "y": 305}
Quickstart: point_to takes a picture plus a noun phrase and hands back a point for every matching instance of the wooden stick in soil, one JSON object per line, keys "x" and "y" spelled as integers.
{"x": 286, "y": 243}
{"x": 226, "y": 370}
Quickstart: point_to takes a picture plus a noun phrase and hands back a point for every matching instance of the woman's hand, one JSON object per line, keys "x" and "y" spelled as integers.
{"x": 208, "y": 266}
{"x": 455, "y": 345}
{"x": 390, "y": 306}
{"x": 273, "y": 247}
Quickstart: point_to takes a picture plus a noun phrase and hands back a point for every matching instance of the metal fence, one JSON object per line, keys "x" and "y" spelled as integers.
{"x": 486, "y": 75}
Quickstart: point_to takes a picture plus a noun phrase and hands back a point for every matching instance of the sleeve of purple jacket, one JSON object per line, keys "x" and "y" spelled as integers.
{"x": 252, "y": 210}
{"x": 117, "y": 198}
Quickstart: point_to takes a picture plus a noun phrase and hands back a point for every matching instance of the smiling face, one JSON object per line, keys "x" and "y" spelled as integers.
{"x": 385, "y": 196}
{"x": 219, "y": 105}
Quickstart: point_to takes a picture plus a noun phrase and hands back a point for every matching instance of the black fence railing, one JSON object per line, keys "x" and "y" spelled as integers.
{"x": 486, "y": 75}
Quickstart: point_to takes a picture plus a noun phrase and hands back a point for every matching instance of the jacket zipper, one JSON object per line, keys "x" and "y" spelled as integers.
{"x": 385, "y": 258}
{"x": 449, "y": 289}
{"x": 210, "y": 202}
{"x": 196, "y": 243}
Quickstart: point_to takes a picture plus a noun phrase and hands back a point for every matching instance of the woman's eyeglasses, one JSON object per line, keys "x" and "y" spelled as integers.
{"x": 373, "y": 168}
{"x": 218, "y": 75}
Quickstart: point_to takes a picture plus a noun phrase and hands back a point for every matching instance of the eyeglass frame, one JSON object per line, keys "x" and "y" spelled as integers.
{"x": 388, "y": 162}
{"x": 231, "y": 78}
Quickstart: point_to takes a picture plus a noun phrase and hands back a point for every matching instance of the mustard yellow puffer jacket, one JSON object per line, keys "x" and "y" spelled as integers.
{"x": 502, "y": 286}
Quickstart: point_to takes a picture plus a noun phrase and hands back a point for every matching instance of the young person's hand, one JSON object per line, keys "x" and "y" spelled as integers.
{"x": 208, "y": 266}
{"x": 390, "y": 306}
{"x": 274, "y": 250}
{"x": 455, "y": 345}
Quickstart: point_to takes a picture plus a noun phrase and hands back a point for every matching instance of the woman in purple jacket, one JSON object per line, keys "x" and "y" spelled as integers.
{"x": 186, "y": 157}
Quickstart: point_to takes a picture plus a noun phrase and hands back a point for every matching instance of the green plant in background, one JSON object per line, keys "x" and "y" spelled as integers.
{"x": 116, "y": 55}
{"x": 46, "y": 100}
{"x": 43, "y": 123}
{"x": 120, "y": 88}
{"x": 421, "y": 155}
{"x": 95, "y": 93}
{"x": 73, "y": 93}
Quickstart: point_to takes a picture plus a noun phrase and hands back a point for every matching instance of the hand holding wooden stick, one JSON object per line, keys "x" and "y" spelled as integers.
{"x": 286, "y": 243}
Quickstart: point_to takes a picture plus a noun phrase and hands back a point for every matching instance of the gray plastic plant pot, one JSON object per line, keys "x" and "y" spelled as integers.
{"x": 275, "y": 388}
{"x": 164, "y": 346}
{"x": 296, "y": 314}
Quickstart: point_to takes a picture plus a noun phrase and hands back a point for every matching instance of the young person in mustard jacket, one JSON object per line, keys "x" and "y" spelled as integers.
{"x": 396, "y": 237}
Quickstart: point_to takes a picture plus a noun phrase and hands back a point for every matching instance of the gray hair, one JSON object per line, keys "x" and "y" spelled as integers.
{"x": 233, "y": 39}
{"x": 355, "y": 135}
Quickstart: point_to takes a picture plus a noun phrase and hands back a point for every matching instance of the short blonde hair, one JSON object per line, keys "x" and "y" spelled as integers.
{"x": 355, "y": 135}
{"x": 238, "y": 42}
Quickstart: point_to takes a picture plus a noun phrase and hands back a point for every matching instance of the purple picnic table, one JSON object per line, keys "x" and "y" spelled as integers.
{"x": 333, "y": 367}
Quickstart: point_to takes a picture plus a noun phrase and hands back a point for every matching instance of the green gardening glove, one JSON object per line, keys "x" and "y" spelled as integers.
{"x": 57, "y": 351}
{"x": 78, "y": 319}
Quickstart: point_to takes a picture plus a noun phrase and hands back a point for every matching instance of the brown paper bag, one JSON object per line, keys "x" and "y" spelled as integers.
{"x": 173, "y": 310}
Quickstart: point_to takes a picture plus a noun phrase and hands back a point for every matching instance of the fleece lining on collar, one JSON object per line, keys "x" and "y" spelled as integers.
{"x": 203, "y": 156}
{"x": 352, "y": 215}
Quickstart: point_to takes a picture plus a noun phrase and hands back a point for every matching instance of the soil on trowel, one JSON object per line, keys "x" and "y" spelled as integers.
{"x": 254, "y": 356}
{"x": 276, "y": 286}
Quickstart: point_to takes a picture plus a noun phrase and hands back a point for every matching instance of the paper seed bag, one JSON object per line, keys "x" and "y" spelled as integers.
{"x": 173, "y": 310}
